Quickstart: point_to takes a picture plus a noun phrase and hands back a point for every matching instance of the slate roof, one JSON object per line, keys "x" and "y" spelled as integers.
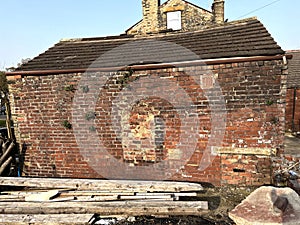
{"x": 235, "y": 39}
{"x": 294, "y": 70}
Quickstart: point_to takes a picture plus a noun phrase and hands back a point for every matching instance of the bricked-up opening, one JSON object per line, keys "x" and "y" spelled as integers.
{"x": 174, "y": 20}
{"x": 154, "y": 132}
{"x": 160, "y": 135}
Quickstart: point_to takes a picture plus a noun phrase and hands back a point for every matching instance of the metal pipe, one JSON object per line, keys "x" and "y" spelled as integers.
{"x": 150, "y": 66}
{"x": 294, "y": 109}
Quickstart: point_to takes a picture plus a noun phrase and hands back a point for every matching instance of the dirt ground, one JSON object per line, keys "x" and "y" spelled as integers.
{"x": 169, "y": 221}
{"x": 292, "y": 144}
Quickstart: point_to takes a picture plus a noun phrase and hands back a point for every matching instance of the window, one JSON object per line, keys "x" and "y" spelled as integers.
{"x": 174, "y": 20}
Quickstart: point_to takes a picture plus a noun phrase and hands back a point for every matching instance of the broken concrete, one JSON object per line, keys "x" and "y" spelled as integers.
{"x": 268, "y": 205}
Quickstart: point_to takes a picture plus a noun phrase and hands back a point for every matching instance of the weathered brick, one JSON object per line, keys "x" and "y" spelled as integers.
{"x": 153, "y": 128}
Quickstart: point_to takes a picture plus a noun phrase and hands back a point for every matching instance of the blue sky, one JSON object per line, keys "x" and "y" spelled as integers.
{"x": 30, "y": 27}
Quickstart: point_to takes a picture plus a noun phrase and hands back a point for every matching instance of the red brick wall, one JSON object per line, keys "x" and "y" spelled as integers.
{"x": 153, "y": 136}
{"x": 289, "y": 109}
{"x": 245, "y": 170}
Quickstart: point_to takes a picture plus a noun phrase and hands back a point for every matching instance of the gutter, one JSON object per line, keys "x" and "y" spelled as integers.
{"x": 294, "y": 109}
{"x": 20, "y": 74}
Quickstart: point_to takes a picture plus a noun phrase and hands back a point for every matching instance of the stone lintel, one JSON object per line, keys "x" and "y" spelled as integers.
{"x": 245, "y": 151}
{"x": 174, "y": 8}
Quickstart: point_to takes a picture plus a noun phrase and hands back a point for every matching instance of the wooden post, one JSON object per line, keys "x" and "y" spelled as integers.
{"x": 6, "y": 153}
{"x": 8, "y": 121}
{"x": 5, "y": 164}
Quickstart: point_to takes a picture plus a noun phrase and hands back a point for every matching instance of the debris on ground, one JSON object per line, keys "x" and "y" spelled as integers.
{"x": 288, "y": 177}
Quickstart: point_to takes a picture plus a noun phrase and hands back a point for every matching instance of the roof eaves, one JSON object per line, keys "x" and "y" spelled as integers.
{"x": 153, "y": 66}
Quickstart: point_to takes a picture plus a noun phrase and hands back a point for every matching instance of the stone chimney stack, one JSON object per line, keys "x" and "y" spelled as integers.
{"x": 218, "y": 11}
{"x": 150, "y": 15}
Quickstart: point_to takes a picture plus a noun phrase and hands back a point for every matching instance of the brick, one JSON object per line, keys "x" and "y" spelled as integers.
{"x": 154, "y": 126}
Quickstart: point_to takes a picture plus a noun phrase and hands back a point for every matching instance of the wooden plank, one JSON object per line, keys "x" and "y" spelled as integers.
{"x": 41, "y": 197}
{"x": 145, "y": 201}
{"x": 141, "y": 197}
{"x": 95, "y": 193}
{"x": 11, "y": 199}
{"x": 129, "y": 208}
{"x": 177, "y": 194}
{"x": 91, "y": 198}
{"x": 53, "y": 219}
{"x": 96, "y": 198}
{"x": 67, "y": 199}
{"x": 21, "y": 193}
{"x": 32, "y": 192}
{"x": 92, "y": 184}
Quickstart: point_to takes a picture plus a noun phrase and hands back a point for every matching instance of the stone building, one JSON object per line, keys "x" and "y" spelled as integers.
{"x": 176, "y": 15}
{"x": 203, "y": 103}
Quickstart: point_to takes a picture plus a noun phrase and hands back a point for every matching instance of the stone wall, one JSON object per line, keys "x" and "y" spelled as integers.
{"x": 290, "y": 98}
{"x": 193, "y": 18}
{"x": 150, "y": 16}
{"x": 153, "y": 123}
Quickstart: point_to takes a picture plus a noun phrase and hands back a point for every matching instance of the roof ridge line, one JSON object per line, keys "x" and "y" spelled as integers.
{"x": 124, "y": 37}
{"x": 70, "y": 39}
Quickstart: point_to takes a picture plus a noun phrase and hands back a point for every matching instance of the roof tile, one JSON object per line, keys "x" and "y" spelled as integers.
{"x": 294, "y": 70}
{"x": 236, "y": 39}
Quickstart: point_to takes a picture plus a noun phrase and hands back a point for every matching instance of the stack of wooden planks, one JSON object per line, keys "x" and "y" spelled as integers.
{"x": 77, "y": 201}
